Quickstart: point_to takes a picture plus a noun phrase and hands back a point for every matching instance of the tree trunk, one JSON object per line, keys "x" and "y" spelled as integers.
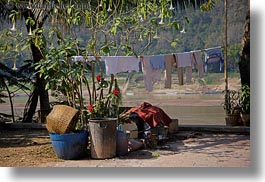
{"x": 38, "y": 92}
{"x": 244, "y": 63}
{"x": 31, "y": 106}
{"x": 44, "y": 100}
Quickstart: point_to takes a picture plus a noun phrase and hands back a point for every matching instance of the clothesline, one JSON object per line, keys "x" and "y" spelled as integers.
{"x": 153, "y": 65}
{"x": 91, "y": 58}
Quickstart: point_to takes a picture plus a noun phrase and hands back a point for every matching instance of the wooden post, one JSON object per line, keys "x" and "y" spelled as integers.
{"x": 225, "y": 50}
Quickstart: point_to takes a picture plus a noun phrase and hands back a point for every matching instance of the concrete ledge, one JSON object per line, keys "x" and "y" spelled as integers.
{"x": 198, "y": 128}
{"x": 215, "y": 128}
{"x": 23, "y": 126}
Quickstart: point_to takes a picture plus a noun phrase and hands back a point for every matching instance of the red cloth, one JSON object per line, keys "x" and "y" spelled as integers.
{"x": 152, "y": 115}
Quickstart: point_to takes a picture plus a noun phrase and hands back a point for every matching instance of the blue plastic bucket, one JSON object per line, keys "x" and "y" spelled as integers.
{"x": 70, "y": 145}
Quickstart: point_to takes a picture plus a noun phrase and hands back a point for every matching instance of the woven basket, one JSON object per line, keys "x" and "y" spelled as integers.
{"x": 62, "y": 119}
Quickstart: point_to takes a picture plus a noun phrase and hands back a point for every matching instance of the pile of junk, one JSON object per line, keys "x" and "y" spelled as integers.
{"x": 146, "y": 126}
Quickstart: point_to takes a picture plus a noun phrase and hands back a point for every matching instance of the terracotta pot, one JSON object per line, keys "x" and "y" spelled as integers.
{"x": 246, "y": 119}
{"x": 232, "y": 119}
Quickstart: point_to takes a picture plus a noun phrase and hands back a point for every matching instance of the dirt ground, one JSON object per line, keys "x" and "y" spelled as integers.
{"x": 25, "y": 148}
{"x": 32, "y": 148}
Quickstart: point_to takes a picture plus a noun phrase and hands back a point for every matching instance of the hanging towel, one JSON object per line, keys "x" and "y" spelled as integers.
{"x": 120, "y": 64}
{"x": 184, "y": 59}
{"x": 78, "y": 58}
{"x": 128, "y": 64}
{"x": 180, "y": 75}
{"x": 188, "y": 70}
{"x": 151, "y": 76}
{"x": 157, "y": 61}
{"x": 197, "y": 59}
{"x": 111, "y": 64}
{"x": 169, "y": 60}
{"x": 83, "y": 58}
{"x": 90, "y": 58}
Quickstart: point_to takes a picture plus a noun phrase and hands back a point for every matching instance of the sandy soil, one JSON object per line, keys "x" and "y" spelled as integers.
{"x": 25, "y": 148}
{"x": 29, "y": 148}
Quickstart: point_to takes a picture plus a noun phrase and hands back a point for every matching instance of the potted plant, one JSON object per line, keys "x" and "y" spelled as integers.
{"x": 245, "y": 104}
{"x": 231, "y": 107}
{"x": 105, "y": 99}
{"x": 67, "y": 122}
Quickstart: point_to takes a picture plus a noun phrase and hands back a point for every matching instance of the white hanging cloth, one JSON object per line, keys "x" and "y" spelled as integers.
{"x": 120, "y": 64}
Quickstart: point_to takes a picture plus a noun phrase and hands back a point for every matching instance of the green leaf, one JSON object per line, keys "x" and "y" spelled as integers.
{"x": 106, "y": 49}
{"x": 47, "y": 86}
{"x": 113, "y": 30}
{"x": 175, "y": 24}
{"x": 173, "y": 44}
{"x": 5, "y": 48}
{"x": 69, "y": 10}
{"x": 25, "y": 46}
{"x": 153, "y": 20}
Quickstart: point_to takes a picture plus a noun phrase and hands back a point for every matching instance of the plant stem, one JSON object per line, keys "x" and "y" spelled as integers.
{"x": 110, "y": 88}
{"x": 93, "y": 83}
{"x": 88, "y": 89}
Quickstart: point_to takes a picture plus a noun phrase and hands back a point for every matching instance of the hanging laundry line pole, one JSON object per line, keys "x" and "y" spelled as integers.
{"x": 225, "y": 51}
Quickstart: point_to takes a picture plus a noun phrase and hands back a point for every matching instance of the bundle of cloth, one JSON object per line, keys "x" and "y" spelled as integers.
{"x": 147, "y": 117}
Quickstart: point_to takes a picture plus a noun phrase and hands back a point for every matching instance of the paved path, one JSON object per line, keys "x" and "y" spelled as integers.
{"x": 199, "y": 150}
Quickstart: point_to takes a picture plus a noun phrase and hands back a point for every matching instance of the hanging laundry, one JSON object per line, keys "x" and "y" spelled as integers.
{"x": 169, "y": 61}
{"x": 111, "y": 64}
{"x": 157, "y": 61}
{"x": 83, "y": 58}
{"x": 213, "y": 60}
{"x": 90, "y": 58}
{"x": 120, "y": 64}
{"x": 197, "y": 61}
{"x": 213, "y": 56}
{"x": 184, "y": 59}
{"x": 188, "y": 71}
{"x": 151, "y": 76}
{"x": 78, "y": 58}
{"x": 128, "y": 63}
{"x": 180, "y": 75}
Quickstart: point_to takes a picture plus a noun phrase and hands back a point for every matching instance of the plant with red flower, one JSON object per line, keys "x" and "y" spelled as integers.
{"x": 98, "y": 77}
{"x": 105, "y": 98}
{"x": 116, "y": 92}
{"x": 90, "y": 107}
